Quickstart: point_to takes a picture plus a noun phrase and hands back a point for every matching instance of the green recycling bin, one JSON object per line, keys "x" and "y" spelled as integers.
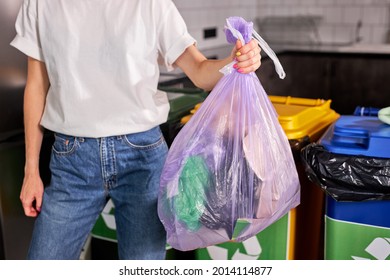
{"x": 351, "y": 164}
{"x": 270, "y": 244}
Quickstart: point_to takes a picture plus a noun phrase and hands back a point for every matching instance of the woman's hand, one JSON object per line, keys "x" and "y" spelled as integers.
{"x": 204, "y": 73}
{"x": 31, "y": 194}
{"x": 248, "y": 57}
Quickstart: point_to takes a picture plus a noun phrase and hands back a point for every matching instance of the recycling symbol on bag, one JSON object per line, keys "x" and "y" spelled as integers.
{"x": 252, "y": 247}
{"x": 108, "y": 215}
{"x": 379, "y": 248}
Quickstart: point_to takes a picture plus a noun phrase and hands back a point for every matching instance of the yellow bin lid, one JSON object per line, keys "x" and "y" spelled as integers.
{"x": 301, "y": 117}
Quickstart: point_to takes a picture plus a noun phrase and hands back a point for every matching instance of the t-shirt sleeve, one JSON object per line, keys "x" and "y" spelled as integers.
{"x": 173, "y": 36}
{"x": 27, "y": 33}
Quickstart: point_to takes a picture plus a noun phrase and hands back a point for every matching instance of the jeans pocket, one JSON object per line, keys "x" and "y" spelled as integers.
{"x": 64, "y": 145}
{"x": 145, "y": 140}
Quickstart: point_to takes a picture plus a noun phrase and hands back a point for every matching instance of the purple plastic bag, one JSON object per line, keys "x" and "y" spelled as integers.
{"x": 230, "y": 172}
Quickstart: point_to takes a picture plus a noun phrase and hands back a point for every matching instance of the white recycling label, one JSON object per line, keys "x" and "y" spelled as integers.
{"x": 379, "y": 248}
{"x": 252, "y": 247}
{"x": 108, "y": 218}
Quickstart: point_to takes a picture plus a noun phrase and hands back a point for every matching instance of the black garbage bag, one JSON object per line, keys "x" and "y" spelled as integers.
{"x": 347, "y": 177}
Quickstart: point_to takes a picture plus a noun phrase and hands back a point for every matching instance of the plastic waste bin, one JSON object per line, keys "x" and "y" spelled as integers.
{"x": 299, "y": 234}
{"x": 351, "y": 163}
{"x": 357, "y": 230}
{"x": 181, "y": 101}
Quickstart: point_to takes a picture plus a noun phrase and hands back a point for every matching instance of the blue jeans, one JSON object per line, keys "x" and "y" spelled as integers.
{"x": 85, "y": 173}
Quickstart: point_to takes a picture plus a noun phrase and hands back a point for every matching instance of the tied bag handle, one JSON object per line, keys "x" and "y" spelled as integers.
{"x": 264, "y": 46}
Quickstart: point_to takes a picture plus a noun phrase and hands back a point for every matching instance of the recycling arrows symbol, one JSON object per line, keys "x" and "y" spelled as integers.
{"x": 108, "y": 217}
{"x": 379, "y": 248}
{"x": 251, "y": 245}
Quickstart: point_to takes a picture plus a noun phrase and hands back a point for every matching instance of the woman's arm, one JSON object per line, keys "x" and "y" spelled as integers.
{"x": 34, "y": 102}
{"x": 205, "y": 73}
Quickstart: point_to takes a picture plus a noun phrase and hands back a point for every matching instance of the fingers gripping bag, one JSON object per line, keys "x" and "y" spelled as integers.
{"x": 229, "y": 172}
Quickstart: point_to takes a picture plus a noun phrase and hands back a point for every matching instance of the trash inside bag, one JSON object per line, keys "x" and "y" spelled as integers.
{"x": 230, "y": 172}
{"x": 191, "y": 199}
{"x": 347, "y": 177}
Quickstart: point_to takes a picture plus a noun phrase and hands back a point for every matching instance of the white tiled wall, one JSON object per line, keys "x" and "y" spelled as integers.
{"x": 203, "y": 14}
{"x": 338, "y": 23}
{"x": 340, "y": 18}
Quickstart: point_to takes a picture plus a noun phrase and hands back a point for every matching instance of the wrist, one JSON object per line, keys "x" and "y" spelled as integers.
{"x": 31, "y": 168}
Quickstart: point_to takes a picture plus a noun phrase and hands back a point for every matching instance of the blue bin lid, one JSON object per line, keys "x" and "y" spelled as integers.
{"x": 358, "y": 135}
{"x": 369, "y": 212}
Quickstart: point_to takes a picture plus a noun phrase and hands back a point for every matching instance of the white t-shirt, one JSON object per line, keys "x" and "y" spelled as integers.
{"x": 102, "y": 61}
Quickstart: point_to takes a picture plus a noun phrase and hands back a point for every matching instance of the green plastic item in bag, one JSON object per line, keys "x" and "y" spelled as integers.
{"x": 189, "y": 204}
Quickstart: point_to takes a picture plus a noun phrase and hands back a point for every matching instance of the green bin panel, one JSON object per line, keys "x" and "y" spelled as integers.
{"x": 269, "y": 244}
{"x": 353, "y": 241}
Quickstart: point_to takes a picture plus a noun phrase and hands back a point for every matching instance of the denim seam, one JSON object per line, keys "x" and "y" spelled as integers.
{"x": 146, "y": 147}
{"x": 108, "y": 162}
{"x": 67, "y": 153}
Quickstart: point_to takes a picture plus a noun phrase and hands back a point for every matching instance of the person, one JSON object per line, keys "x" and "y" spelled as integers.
{"x": 92, "y": 77}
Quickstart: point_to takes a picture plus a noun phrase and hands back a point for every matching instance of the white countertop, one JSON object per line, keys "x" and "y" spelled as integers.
{"x": 367, "y": 48}
{"x": 336, "y": 48}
